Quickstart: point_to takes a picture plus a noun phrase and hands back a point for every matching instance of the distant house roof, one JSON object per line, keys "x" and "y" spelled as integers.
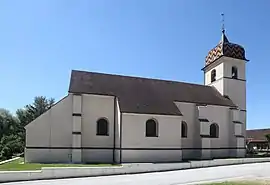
{"x": 257, "y": 134}
{"x": 143, "y": 95}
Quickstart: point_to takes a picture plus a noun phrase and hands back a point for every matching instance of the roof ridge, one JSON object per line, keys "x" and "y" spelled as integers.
{"x": 139, "y": 77}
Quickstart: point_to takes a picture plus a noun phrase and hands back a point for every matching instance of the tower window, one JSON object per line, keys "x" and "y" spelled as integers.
{"x": 151, "y": 128}
{"x": 213, "y": 75}
{"x": 234, "y": 72}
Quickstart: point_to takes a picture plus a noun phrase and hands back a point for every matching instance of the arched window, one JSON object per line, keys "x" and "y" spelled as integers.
{"x": 213, "y": 75}
{"x": 214, "y": 130}
{"x": 102, "y": 127}
{"x": 184, "y": 129}
{"x": 151, "y": 128}
{"x": 234, "y": 72}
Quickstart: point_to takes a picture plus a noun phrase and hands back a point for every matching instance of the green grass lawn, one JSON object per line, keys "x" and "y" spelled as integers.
{"x": 259, "y": 182}
{"x": 17, "y": 165}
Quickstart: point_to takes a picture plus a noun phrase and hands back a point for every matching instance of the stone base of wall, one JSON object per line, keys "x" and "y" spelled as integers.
{"x": 109, "y": 156}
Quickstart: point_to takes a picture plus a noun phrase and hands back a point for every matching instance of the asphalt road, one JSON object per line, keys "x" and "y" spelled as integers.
{"x": 192, "y": 176}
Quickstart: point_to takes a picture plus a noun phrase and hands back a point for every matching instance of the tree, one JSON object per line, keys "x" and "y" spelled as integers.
{"x": 10, "y": 141}
{"x": 8, "y": 123}
{"x": 12, "y": 133}
{"x": 30, "y": 112}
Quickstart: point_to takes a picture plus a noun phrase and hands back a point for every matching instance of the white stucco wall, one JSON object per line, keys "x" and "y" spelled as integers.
{"x": 238, "y": 129}
{"x": 241, "y": 144}
{"x": 139, "y": 148}
{"x": 205, "y": 128}
{"x": 97, "y": 148}
{"x": 193, "y": 140}
{"x": 236, "y": 115}
{"x": 221, "y": 116}
{"x": 51, "y": 130}
{"x": 77, "y": 128}
{"x": 219, "y": 67}
{"x": 219, "y": 83}
{"x": 77, "y": 103}
{"x": 243, "y": 119}
{"x": 240, "y": 64}
{"x": 204, "y": 125}
{"x": 206, "y": 152}
{"x": 236, "y": 90}
{"x": 223, "y": 67}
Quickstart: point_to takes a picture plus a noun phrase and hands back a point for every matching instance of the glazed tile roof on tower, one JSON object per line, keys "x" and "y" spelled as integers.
{"x": 225, "y": 48}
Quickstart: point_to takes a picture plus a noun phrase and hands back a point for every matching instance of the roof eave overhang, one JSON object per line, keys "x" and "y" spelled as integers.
{"x": 203, "y": 69}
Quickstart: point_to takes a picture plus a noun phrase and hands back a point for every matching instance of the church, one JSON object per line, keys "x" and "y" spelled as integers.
{"x": 107, "y": 118}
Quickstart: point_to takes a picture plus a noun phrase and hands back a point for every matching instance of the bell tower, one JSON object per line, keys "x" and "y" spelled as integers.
{"x": 225, "y": 69}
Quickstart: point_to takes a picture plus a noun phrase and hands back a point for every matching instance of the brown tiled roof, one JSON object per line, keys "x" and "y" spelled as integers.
{"x": 143, "y": 95}
{"x": 225, "y": 48}
{"x": 257, "y": 134}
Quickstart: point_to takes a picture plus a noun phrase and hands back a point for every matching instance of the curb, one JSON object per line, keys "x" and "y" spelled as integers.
{"x": 77, "y": 172}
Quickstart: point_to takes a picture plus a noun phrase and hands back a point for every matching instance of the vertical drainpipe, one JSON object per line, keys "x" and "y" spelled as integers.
{"x": 114, "y": 129}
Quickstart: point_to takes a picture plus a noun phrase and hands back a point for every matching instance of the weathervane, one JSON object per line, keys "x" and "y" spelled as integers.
{"x": 223, "y": 26}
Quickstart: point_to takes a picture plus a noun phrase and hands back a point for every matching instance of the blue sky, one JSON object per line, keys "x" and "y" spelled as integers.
{"x": 42, "y": 41}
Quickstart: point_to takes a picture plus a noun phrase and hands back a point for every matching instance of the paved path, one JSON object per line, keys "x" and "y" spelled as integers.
{"x": 192, "y": 176}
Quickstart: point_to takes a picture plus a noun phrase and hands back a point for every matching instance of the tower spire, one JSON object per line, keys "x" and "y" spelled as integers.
{"x": 223, "y": 37}
{"x": 223, "y": 25}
